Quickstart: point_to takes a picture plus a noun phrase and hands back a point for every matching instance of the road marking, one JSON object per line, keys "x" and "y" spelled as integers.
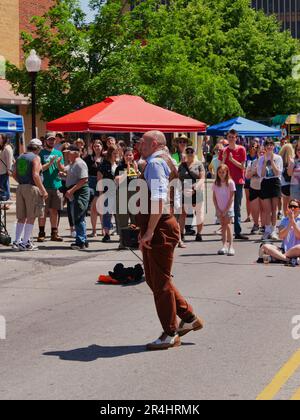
{"x": 281, "y": 378}
{"x": 296, "y": 396}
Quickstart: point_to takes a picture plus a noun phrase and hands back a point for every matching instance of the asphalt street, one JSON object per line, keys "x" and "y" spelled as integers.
{"x": 70, "y": 338}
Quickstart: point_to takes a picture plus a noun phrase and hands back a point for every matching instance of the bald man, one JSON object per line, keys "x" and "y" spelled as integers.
{"x": 158, "y": 240}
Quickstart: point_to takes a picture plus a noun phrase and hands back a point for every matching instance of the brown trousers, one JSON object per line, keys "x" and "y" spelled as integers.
{"x": 158, "y": 269}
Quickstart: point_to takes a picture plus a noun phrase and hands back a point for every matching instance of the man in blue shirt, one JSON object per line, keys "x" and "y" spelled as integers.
{"x": 158, "y": 240}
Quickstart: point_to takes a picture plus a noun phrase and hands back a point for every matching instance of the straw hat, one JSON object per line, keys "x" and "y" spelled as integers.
{"x": 183, "y": 137}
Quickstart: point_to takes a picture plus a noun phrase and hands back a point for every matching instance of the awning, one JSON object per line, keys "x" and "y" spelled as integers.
{"x": 293, "y": 119}
{"x": 125, "y": 113}
{"x": 11, "y": 123}
{"x": 244, "y": 127}
{"x": 8, "y": 97}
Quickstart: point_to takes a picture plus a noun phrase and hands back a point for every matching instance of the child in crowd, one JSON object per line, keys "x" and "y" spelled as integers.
{"x": 223, "y": 197}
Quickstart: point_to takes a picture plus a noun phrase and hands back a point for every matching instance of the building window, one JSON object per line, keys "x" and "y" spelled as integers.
{"x": 287, "y": 11}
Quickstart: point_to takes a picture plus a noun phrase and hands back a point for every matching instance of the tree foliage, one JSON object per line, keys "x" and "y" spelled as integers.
{"x": 210, "y": 59}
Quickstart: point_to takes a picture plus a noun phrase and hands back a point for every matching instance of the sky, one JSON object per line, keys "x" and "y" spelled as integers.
{"x": 85, "y": 8}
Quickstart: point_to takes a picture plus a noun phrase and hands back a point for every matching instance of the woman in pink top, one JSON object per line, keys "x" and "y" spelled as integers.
{"x": 223, "y": 196}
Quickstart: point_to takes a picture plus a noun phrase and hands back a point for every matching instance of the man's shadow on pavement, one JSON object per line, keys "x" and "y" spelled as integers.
{"x": 94, "y": 352}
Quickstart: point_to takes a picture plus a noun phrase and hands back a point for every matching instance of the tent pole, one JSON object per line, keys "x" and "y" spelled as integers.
{"x": 173, "y": 149}
{"x": 88, "y": 140}
{"x": 194, "y": 141}
{"x": 22, "y": 145}
{"x": 200, "y": 148}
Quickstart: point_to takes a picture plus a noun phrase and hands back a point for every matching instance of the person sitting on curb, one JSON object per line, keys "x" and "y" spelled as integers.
{"x": 289, "y": 232}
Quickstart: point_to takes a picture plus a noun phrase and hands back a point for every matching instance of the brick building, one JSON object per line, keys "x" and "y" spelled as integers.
{"x": 15, "y": 17}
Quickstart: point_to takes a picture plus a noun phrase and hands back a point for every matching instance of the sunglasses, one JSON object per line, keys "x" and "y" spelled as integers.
{"x": 182, "y": 142}
{"x": 189, "y": 152}
{"x": 293, "y": 206}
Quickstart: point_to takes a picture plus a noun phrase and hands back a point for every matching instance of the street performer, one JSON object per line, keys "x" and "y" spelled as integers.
{"x": 158, "y": 240}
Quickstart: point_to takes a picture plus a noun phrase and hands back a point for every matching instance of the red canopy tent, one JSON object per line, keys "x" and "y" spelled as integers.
{"x": 127, "y": 114}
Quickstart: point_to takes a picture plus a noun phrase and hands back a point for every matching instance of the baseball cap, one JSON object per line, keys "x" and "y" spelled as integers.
{"x": 35, "y": 142}
{"x": 50, "y": 136}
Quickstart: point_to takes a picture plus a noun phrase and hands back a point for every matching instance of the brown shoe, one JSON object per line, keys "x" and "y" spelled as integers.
{"x": 164, "y": 342}
{"x": 41, "y": 237}
{"x": 56, "y": 238}
{"x": 186, "y": 327}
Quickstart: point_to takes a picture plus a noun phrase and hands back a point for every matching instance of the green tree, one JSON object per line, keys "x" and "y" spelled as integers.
{"x": 210, "y": 59}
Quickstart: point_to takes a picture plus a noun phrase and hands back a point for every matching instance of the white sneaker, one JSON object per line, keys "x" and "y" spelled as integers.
{"x": 231, "y": 252}
{"x": 223, "y": 251}
{"x": 27, "y": 247}
{"x": 274, "y": 236}
{"x": 15, "y": 246}
{"x": 164, "y": 342}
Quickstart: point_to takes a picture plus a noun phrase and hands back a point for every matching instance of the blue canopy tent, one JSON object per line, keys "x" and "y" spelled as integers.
{"x": 244, "y": 127}
{"x": 11, "y": 123}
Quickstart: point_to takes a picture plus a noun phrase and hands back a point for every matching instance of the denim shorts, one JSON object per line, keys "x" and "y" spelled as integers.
{"x": 4, "y": 188}
{"x": 295, "y": 191}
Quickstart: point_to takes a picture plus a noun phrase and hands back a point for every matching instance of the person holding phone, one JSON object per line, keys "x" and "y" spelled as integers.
{"x": 126, "y": 172}
{"x": 289, "y": 232}
{"x": 270, "y": 168}
{"x": 192, "y": 176}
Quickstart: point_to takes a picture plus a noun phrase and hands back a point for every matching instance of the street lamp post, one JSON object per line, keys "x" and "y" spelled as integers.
{"x": 33, "y": 66}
